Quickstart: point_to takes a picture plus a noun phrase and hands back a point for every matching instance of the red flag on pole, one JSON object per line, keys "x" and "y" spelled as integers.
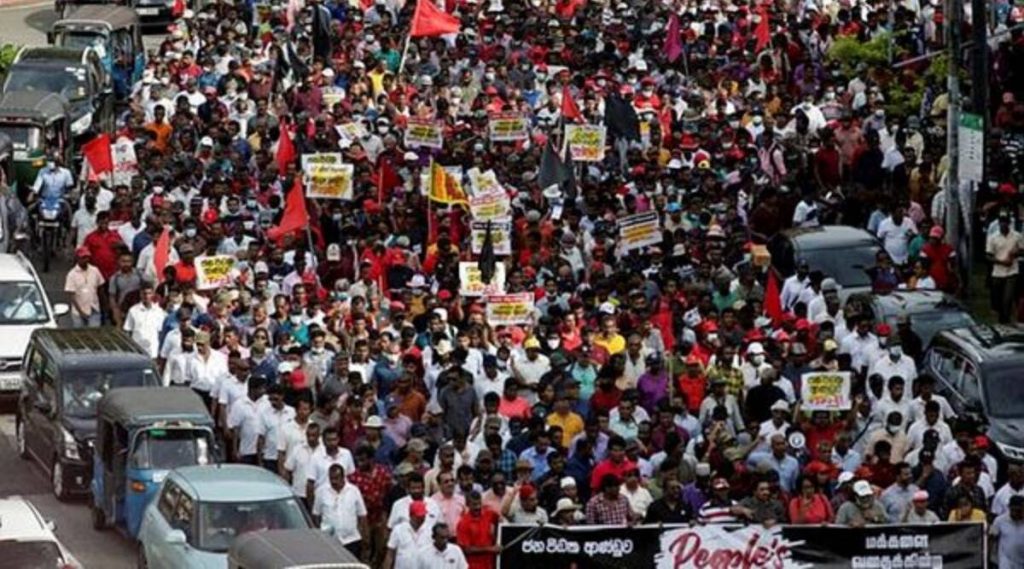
{"x": 569, "y": 109}
{"x": 773, "y": 298}
{"x": 763, "y": 31}
{"x": 295, "y": 215}
{"x": 429, "y": 20}
{"x": 162, "y": 253}
{"x": 673, "y": 42}
{"x": 566, "y": 9}
{"x": 285, "y": 150}
{"x": 97, "y": 152}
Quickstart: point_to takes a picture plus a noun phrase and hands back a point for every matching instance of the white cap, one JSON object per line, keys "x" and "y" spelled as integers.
{"x": 607, "y": 308}
{"x": 206, "y": 141}
{"x": 780, "y": 405}
{"x": 862, "y": 488}
{"x": 845, "y": 477}
{"x": 755, "y": 348}
{"x": 567, "y": 482}
{"x": 444, "y": 347}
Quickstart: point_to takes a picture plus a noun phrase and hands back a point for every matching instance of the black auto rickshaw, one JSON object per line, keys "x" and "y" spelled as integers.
{"x": 37, "y": 125}
{"x": 142, "y": 433}
{"x": 290, "y": 549}
{"x": 115, "y": 31}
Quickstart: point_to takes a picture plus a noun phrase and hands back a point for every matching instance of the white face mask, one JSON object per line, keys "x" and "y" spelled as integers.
{"x": 190, "y": 232}
{"x": 295, "y": 320}
{"x": 51, "y": 165}
{"x": 757, "y": 359}
{"x": 892, "y": 429}
{"x": 554, "y": 344}
{"x": 489, "y": 76}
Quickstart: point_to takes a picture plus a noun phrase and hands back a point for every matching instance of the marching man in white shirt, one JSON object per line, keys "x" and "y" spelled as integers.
{"x": 339, "y": 507}
{"x": 330, "y": 453}
{"x": 245, "y": 422}
{"x": 409, "y": 537}
{"x": 275, "y": 416}
{"x": 145, "y": 320}
{"x": 300, "y": 457}
{"x": 441, "y": 554}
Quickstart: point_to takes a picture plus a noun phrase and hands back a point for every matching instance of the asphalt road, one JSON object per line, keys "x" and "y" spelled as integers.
{"x": 27, "y": 25}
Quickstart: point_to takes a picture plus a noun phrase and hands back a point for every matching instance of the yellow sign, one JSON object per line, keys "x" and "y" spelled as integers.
{"x": 825, "y": 391}
{"x": 501, "y": 236}
{"x": 490, "y": 206}
{"x": 509, "y": 309}
{"x": 508, "y": 127}
{"x": 214, "y": 272}
{"x": 470, "y": 283}
{"x": 586, "y": 142}
{"x": 327, "y": 177}
{"x": 640, "y": 230}
{"x": 425, "y": 133}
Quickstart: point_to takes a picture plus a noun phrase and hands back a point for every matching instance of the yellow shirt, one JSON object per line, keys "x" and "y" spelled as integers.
{"x": 377, "y": 80}
{"x": 571, "y": 425}
{"x": 614, "y": 345}
{"x": 976, "y": 516}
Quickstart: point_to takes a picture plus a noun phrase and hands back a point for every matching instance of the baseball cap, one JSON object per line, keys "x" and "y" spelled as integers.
{"x": 418, "y": 508}
{"x": 862, "y": 488}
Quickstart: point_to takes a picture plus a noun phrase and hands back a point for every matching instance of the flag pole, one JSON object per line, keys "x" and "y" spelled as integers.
{"x": 405, "y": 53}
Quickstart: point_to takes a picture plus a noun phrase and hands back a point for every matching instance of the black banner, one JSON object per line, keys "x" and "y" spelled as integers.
{"x": 948, "y": 546}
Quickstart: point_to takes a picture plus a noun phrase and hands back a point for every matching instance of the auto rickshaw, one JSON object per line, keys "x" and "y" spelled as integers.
{"x": 290, "y": 549}
{"x": 37, "y": 124}
{"x": 142, "y": 433}
{"x": 115, "y": 31}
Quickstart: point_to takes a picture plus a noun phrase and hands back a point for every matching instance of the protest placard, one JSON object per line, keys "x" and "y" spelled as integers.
{"x": 423, "y": 132}
{"x": 508, "y": 127}
{"x": 332, "y": 95}
{"x": 309, "y": 161}
{"x": 470, "y": 283}
{"x": 509, "y": 309}
{"x": 214, "y": 271}
{"x": 586, "y": 142}
{"x": 327, "y": 177}
{"x": 351, "y": 131}
{"x": 490, "y": 206}
{"x": 501, "y": 236}
{"x": 639, "y": 230}
{"x": 825, "y": 391}
{"x": 483, "y": 182}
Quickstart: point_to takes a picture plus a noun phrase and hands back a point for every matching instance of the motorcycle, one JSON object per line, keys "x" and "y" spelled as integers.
{"x": 48, "y": 227}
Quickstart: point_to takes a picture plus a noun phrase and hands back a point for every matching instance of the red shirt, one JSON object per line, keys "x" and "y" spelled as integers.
{"x": 477, "y": 531}
{"x": 184, "y": 272}
{"x": 104, "y": 247}
{"x": 605, "y": 401}
{"x": 374, "y": 485}
{"x": 694, "y": 388}
{"x": 606, "y": 466}
{"x": 939, "y": 256}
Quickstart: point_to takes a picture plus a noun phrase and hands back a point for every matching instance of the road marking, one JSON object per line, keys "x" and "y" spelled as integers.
{"x": 7, "y": 426}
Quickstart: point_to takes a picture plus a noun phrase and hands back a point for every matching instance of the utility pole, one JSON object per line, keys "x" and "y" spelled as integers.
{"x": 954, "y": 12}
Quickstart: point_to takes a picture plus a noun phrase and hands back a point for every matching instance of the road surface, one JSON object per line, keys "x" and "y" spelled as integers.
{"x": 27, "y": 24}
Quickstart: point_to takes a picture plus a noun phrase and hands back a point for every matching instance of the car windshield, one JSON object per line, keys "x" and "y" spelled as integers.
{"x": 927, "y": 324}
{"x": 31, "y": 554}
{"x": 67, "y": 81}
{"x": 81, "y": 39}
{"x": 221, "y": 522}
{"x": 164, "y": 449}
{"x": 847, "y": 266}
{"x": 1004, "y": 392}
{"x": 23, "y": 136}
{"x": 21, "y": 303}
{"x": 84, "y": 387}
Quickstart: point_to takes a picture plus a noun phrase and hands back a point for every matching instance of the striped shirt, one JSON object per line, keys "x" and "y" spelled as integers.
{"x": 715, "y": 512}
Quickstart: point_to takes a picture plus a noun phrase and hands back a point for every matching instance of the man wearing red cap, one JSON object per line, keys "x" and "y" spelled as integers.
{"x": 82, "y": 285}
{"x": 408, "y": 538}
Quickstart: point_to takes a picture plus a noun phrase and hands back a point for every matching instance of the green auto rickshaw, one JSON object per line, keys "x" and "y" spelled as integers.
{"x": 38, "y": 125}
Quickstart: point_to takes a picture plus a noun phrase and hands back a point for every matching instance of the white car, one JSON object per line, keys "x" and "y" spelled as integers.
{"x": 27, "y": 540}
{"x": 23, "y": 308}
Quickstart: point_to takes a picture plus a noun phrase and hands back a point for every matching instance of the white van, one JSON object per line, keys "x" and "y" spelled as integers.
{"x": 23, "y": 308}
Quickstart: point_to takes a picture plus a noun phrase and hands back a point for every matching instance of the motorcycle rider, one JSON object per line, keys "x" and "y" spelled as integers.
{"x": 53, "y": 183}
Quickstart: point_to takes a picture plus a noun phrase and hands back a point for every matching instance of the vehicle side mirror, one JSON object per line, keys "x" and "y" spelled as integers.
{"x": 61, "y": 309}
{"x": 51, "y": 525}
{"x": 176, "y": 537}
{"x": 327, "y": 528}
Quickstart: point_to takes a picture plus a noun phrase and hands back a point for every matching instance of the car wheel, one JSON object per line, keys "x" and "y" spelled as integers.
{"x": 57, "y": 481}
{"x": 19, "y": 438}
{"x": 140, "y": 560}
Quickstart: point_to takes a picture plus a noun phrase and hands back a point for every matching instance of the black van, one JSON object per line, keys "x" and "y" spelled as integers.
{"x": 65, "y": 374}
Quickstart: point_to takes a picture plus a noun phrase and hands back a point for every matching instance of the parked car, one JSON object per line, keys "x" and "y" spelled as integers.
{"x": 290, "y": 549}
{"x": 929, "y": 311}
{"x": 27, "y": 540}
{"x": 65, "y": 374}
{"x": 78, "y": 75}
{"x": 842, "y": 252}
{"x": 979, "y": 369}
{"x": 200, "y": 510}
{"x": 141, "y": 434}
{"x": 24, "y": 308}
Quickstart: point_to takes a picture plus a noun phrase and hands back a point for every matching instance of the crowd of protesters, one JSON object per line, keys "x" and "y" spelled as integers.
{"x": 651, "y": 386}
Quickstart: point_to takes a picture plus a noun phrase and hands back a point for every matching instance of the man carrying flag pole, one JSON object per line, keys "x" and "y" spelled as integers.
{"x": 428, "y": 21}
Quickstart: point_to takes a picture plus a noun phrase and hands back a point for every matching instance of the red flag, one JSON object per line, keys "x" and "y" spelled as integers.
{"x": 773, "y": 298}
{"x": 673, "y": 42}
{"x": 295, "y": 215}
{"x": 763, "y": 31}
{"x": 285, "y": 151}
{"x": 566, "y": 9}
{"x": 429, "y": 20}
{"x": 387, "y": 179}
{"x": 97, "y": 152}
{"x": 162, "y": 253}
{"x": 569, "y": 109}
